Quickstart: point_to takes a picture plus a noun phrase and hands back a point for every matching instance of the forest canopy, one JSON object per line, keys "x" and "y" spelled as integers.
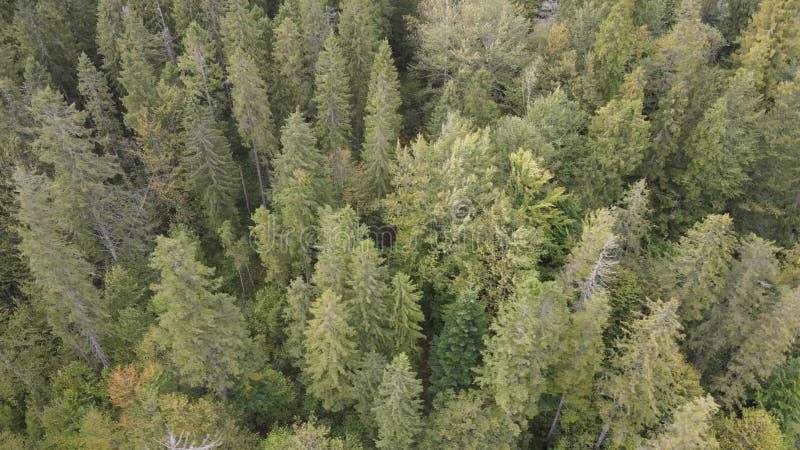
{"x": 399, "y": 224}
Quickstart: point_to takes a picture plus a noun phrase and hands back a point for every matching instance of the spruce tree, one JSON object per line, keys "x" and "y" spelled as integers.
{"x": 60, "y": 271}
{"x": 202, "y": 329}
{"x": 367, "y": 378}
{"x": 251, "y": 108}
{"x": 209, "y": 164}
{"x": 398, "y": 406}
{"x": 617, "y": 140}
{"x": 99, "y": 103}
{"x": 297, "y": 201}
{"x": 292, "y": 81}
{"x": 299, "y": 297}
{"x": 359, "y": 37}
{"x": 137, "y": 74}
{"x": 690, "y": 428}
{"x": 299, "y": 152}
{"x": 267, "y": 233}
{"x": 457, "y": 349}
{"x": 382, "y": 121}
{"x": 332, "y": 98}
{"x": 406, "y": 316}
{"x": 201, "y": 73}
{"x": 246, "y": 28}
{"x": 648, "y": 377}
{"x": 339, "y": 235}
{"x": 522, "y": 347}
{"x": 368, "y": 297}
{"x": 330, "y": 353}
{"x": 110, "y": 28}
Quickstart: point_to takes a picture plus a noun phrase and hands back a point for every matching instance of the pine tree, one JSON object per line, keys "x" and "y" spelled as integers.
{"x": 209, "y": 164}
{"x": 522, "y": 346}
{"x": 332, "y": 97}
{"x": 648, "y": 378}
{"x": 382, "y": 122}
{"x": 251, "y": 108}
{"x": 398, "y": 406}
{"x": 358, "y": 29}
{"x": 406, "y": 317}
{"x": 202, "y": 328}
{"x": 690, "y": 428}
{"x": 99, "y": 103}
{"x": 330, "y": 353}
{"x": 617, "y": 140}
{"x": 60, "y": 271}
{"x": 292, "y": 80}
{"x": 137, "y": 74}
{"x": 200, "y": 71}
{"x": 368, "y": 297}
{"x": 457, "y": 349}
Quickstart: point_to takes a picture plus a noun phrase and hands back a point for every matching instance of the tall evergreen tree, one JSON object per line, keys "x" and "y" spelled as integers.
{"x": 339, "y": 235}
{"x": 648, "y": 378}
{"x": 368, "y": 297}
{"x": 60, "y": 271}
{"x": 202, "y": 329}
{"x": 690, "y": 428}
{"x": 358, "y": 29}
{"x": 110, "y": 28}
{"x": 457, "y": 349}
{"x": 201, "y": 73}
{"x": 299, "y": 297}
{"x": 99, "y": 103}
{"x": 246, "y": 28}
{"x": 299, "y": 151}
{"x": 398, "y": 406}
{"x": 292, "y": 81}
{"x": 137, "y": 74}
{"x": 209, "y": 164}
{"x": 251, "y": 108}
{"x": 406, "y": 317}
{"x": 330, "y": 353}
{"x": 382, "y": 121}
{"x": 332, "y": 97}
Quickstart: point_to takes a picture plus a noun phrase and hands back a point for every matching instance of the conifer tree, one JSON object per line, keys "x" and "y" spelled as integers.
{"x": 59, "y": 269}
{"x": 245, "y": 27}
{"x": 398, "y": 406}
{"x": 330, "y": 353}
{"x": 332, "y": 97}
{"x": 522, "y": 347}
{"x": 200, "y": 71}
{"x": 756, "y": 429}
{"x": 267, "y": 233}
{"x": 406, "y": 317}
{"x": 299, "y": 151}
{"x": 358, "y": 29}
{"x": 722, "y": 147}
{"x": 648, "y": 378}
{"x": 297, "y": 202}
{"x": 701, "y": 265}
{"x": 110, "y": 28}
{"x": 202, "y": 328}
{"x": 457, "y": 349}
{"x": 99, "y": 103}
{"x": 382, "y": 121}
{"x": 209, "y": 164}
{"x": 368, "y": 297}
{"x": 617, "y": 140}
{"x": 137, "y": 74}
{"x": 690, "y": 428}
{"x": 85, "y": 199}
{"x": 763, "y": 350}
{"x": 315, "y": 24}
{"x": 367, "y": 378}
{"x": 251, "y": 108}
{"x": 299, "y": 297}
{"x": 339, "y": 235}
{"x": 620, "y": 43}
{"x": 292, "y": 81}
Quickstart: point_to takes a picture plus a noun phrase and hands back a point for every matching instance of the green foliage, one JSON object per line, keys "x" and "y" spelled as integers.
{"x": 99, "y": 103}
{"x": 755, "y": 429}
{"x": 398, "y": 406}
{"x": 265, "y": 397}
{"x": 779, "y": 396}
{"x": 457, "y": 349}
{"x": 690, "y": 427}
{"x": 406, "y": 317}
{"x": 332, "y": 97}
{"x": 466, "y": 420}
{"x": 202, "y": 329}
{"x": 138, "y": 74}
{"x": 382, "y": 122}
